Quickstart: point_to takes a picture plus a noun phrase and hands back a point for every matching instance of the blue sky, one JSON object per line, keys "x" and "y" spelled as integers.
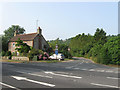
{"x": 61, "y": 19}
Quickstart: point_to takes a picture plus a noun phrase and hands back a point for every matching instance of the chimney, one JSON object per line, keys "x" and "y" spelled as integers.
{"x": 39, "y": 31}
{"x": 15, "y": 33}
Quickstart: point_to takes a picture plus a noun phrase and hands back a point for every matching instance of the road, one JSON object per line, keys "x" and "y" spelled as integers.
{"x": 80, "y": 73}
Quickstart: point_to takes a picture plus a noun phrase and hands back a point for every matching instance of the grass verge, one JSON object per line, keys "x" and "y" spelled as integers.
{"x": 47, "y": 61}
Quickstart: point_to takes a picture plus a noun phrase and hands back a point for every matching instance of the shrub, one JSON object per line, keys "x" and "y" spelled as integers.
{"x": 8, "y": 53}
{"x": 34, "y": 52}
{"x": 112, "y": 51}
{"x": 15, "y": 53}
{"x": 3, "y": 53}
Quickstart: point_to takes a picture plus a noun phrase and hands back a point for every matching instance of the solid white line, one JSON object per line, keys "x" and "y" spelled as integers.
{"x": 8, "y": 85}
{"x": 113, "y": 78}
{"x": 24, "y": 78}
{"x": 46, "y": 84}
{"x": 105, "y": 85}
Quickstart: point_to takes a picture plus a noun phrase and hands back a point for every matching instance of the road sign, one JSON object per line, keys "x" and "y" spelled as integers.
{"x": 56, "y": 51}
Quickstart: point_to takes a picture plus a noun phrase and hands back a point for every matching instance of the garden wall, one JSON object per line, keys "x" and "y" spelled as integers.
{"x": 17, "y": 58}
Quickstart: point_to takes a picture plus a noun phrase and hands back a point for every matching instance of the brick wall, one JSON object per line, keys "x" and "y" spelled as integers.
{"x": 11, "y": 45}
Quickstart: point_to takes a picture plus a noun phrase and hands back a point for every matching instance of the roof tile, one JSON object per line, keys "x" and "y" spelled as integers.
{"x": 24, "y": 37}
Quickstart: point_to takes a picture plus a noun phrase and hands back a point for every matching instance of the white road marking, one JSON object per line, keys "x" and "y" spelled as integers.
{"x": 74, "y": 65}
{"x": 9, "y": 86}
{"x": 93, "y": 65}
{"x": 39, "y": 75}
{"x": 116, "y": 72}
{"x": 109, "y": 71}
{"x": 68, "y": 67}
{"x": 63, "y": 75}
{"x": 42, "y": 83}
{"x": 105, "y": 85}
{"x": 83, "y": 69}
{"x": 92, "y": 70}
{"x": 35, "y": 74}
{"x": 76, "y": 68}
{"x": 81, "y": 63}
{"x": 113, "y": 78}
{"x": 100, "y": 70}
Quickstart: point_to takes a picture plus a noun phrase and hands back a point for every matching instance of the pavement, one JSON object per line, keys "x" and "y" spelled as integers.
{"x": 80, "y": 73}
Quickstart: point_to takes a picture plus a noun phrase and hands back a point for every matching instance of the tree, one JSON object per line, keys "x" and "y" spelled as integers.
{"x": 112, "y": 50}
{"x": 9, "y": 33}
{"x": 100, "y": 36}
{"x": 4, "y": 43}
{"x": 22, "y": 47}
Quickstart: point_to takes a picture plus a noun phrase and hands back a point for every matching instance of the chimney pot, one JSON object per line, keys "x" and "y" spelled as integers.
{"x": 39, "y": 31}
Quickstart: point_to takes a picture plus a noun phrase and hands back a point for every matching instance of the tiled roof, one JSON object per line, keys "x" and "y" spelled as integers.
{"x": 24, "y": 37}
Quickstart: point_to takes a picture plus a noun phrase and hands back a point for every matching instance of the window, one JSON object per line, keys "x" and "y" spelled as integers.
{"x": 13, "y": 44}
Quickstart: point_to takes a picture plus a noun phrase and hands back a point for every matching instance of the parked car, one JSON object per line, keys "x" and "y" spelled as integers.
{"x": 59, "y": 56}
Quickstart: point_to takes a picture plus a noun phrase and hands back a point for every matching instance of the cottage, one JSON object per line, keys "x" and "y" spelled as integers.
{"x": 36, "y": 40}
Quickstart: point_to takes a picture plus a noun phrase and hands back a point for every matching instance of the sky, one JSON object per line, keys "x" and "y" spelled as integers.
{"x": 60, "y": 19}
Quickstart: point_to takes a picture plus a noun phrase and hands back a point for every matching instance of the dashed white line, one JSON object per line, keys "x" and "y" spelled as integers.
{"x": 76, "y": 68}
{"x": 39, "y": 75}
{"x": 105, "y": 85}
{"x": 63, "y": 72}
{"x": 94, "y": 65}
{"x": 109, "y": 71}
{"x": 68, "y": 67}
{"x": 91, "y": 70}
{"x": 100, "y": 70}
{"x": 62, "y": 75}
{"x": 83, "y": 69}
{"x": 35, "y": 74}
{"x": 113, "y": 78}
{"x": 9, "y": 86}
{"x": 116, "y": 72}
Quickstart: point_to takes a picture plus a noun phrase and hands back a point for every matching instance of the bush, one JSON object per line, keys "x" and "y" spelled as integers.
{"x": 3, "y": 53}
{"x": 111, "y": 51}
{"x": 10, "y": 57}
{"x": 34, "y": 52}
{"x": 8, "y": 53}
{"x": 15, "y": 53}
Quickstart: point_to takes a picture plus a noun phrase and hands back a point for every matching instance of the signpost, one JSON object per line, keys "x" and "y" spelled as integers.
{"x": 56, "y": 50}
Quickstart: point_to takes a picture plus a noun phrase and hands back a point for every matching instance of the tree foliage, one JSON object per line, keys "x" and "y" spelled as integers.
{"x": 22, "y": 47}
{"x": 34, "y": 52}
{"x": 101, "y": 48}
{"x": 62, "y": 47}
{"x": 9, "y": 33}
